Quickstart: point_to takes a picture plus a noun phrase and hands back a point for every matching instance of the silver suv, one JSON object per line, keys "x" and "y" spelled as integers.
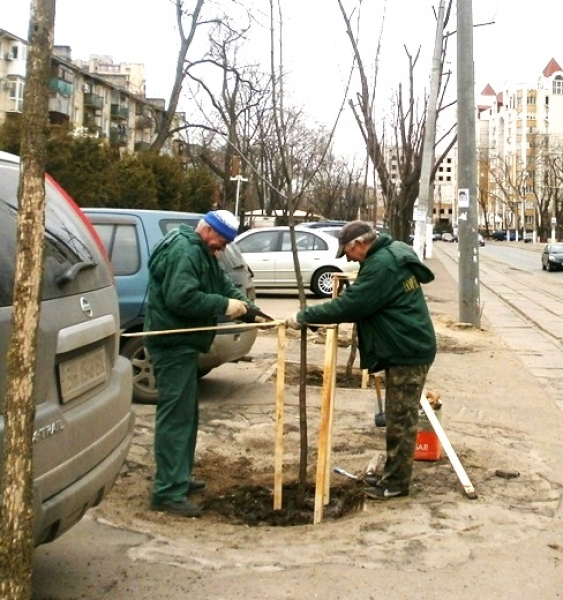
{"x": 84, "y": 419}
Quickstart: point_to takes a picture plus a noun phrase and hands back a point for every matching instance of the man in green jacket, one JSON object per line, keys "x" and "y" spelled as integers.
{"x": 395, "y": 334}
{"x": 187, "y": 289}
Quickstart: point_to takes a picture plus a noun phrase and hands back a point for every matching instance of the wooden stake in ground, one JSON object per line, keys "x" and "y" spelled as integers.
{"x": 280, "y": 400}
{"x": 325, "y": 421}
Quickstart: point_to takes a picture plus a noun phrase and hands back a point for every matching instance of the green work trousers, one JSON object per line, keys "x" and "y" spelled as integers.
{"x": 177, "y": 417}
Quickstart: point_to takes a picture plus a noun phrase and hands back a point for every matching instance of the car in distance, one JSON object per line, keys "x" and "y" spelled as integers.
{"x": 552, "y": 257}
{"x": 268, "y": 254}
{"x": 500, "y": 235}
{"x": 83, "y": 416}
{"x": 129, "y": 235}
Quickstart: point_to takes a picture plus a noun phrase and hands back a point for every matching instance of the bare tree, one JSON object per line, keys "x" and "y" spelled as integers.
{"x": 187, "y": 33}
{"x": 16, "y": 508}
{"x": 400, "y": 143}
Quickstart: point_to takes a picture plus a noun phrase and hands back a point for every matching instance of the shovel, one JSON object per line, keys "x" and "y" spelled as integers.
{"x": 342, "y": 471}
{"x": 380, "y": 416}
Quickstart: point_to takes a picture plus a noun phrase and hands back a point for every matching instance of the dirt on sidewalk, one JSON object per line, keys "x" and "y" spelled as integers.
{"x": 484, "y": 390}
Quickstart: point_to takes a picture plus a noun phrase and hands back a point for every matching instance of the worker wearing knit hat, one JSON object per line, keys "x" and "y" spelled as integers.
{"x": 224, "y": 223}
{"x": 188, "y": 291}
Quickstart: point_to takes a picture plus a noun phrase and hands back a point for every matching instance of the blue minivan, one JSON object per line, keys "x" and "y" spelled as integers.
{"x": 129, "y": 235}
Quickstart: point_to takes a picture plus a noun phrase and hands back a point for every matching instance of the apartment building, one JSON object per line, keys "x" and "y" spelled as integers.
{"x": 445, "y": 187}
{"x": 519, "y": 136}
{"x": 95, "y": 98}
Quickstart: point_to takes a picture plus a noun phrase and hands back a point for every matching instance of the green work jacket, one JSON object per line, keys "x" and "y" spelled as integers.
{"x": 187, "y": 289}
{"x": 387, "y": 303}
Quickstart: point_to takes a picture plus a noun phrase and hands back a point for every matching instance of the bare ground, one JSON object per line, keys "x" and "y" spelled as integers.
{"x": 437, "y": 526}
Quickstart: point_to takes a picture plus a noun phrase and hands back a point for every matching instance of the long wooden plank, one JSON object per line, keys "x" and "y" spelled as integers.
{"x": 456, "y": 464}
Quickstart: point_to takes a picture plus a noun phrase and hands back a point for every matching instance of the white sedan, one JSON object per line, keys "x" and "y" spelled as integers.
{"x": 267, "y": 252}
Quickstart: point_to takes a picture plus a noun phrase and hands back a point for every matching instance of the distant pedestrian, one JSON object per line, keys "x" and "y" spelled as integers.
{"x": 187, "y": 289}
{"x": 395, "y": 334}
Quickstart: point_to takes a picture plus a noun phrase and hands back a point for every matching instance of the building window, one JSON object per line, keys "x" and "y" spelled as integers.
{"x": 558, "y": 85}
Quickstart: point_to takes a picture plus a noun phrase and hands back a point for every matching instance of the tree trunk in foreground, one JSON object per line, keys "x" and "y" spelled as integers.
{"x": 16, "y": 507}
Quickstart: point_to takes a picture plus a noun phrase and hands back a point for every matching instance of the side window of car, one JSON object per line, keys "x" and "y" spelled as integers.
{"x": 303, "y": 239}
{"x": 263, "y": 241}
{"x": 122, "y": 245}
{"x": 306, "y": 241}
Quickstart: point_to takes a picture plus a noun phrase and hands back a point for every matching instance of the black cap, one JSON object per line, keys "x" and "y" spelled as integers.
{"x": 349, "y": 232}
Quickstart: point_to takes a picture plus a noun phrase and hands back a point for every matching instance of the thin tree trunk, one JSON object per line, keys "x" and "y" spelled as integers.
{"x": 16, "y": 508}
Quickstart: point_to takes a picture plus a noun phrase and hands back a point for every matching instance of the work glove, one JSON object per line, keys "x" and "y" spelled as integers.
{"x": 292, "y": 321}
{"x": 235, "y": 308}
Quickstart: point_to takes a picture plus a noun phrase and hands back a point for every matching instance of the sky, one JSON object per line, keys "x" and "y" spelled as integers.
{"x": 510, "y": 45}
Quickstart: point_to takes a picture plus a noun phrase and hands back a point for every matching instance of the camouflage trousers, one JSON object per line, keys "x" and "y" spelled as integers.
{"x": 403, "y": 388}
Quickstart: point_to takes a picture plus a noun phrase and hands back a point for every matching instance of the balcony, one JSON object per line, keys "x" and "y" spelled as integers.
{"x": 142, "y": 146}
{"x": 143, "y": 122}
{"x": 93, "y": 100}
{"x": 59, "y": 104}
{"x": 119, "y": 112}
{"x": 118, "y": 137}
{"x": 59, "y": 86}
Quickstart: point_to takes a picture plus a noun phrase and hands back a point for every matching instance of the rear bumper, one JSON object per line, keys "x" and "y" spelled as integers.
{"x": 57, "y": 513}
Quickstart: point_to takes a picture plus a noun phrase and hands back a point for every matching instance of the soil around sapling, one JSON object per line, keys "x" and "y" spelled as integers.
{"x": 253, "y": 505}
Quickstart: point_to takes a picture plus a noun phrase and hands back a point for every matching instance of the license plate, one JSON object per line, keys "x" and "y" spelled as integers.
{"x": 82, "y": 373}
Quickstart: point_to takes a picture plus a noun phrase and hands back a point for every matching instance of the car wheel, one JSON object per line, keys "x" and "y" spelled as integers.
{"x": 144, "y": 381}
{"x": 322, "y": 282}
{"x": 549, "y": 267}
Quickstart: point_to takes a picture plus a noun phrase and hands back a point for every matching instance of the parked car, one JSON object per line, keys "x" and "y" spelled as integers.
{"x": 501, "y": 235}
{"x": 552, "y": 257}
{"x": 268, "y": 254}
{"x": 83, "y": 422}
{"x": 129, "y": 235}
{"x": 332, "y": 230}
{"x": 322, "y": 224}
{"x": 448, "y": 237}
{"x": 481, "y": 240}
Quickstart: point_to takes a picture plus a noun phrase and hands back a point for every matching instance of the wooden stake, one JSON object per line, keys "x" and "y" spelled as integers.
{"x": 333, "y": 346}
{"x": 280, "y": 399}
{"x": 324, "y": 433}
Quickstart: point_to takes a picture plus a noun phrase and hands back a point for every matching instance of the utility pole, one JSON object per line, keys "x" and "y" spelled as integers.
{"x": 236, "y": 176}
{"x": 469, "y": 286}
{"x": 424, "y": 213}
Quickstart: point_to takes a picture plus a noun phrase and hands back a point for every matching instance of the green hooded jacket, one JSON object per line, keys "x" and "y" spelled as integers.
{"x": 388, "y": 305}
{"x": 187, "y": 288}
